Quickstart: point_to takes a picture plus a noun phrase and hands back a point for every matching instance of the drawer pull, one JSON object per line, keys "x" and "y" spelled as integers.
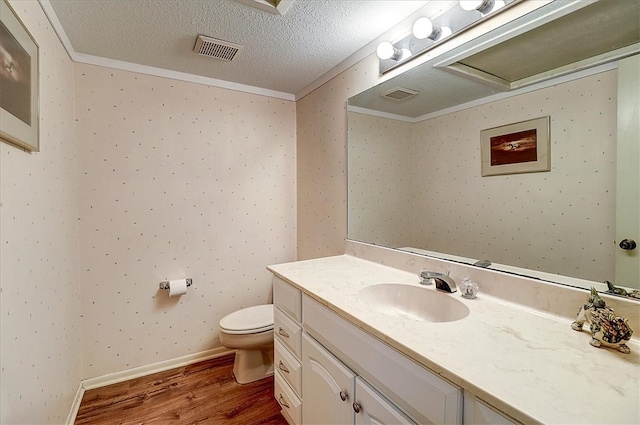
{"x": 343, "y": 396}
{"x": 282, "y": 402}
{"x": 356, "y": 407}
{"x": 282, "y": 367}
{"x": 283, "y": 333}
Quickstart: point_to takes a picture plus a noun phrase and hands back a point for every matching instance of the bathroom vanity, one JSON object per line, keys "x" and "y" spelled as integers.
{"x": 341, "y": 359}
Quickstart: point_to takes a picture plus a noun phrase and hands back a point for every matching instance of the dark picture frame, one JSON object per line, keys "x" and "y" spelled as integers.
{"x": 522, "y": 147}
{"x": 19, "y": 82}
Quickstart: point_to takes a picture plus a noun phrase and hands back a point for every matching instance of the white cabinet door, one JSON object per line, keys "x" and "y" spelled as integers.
{"x": 373, "y": 409}
{"x": 327, "y": 386}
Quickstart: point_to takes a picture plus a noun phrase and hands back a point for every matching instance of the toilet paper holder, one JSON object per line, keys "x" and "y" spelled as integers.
{"x": 165, "y": 284}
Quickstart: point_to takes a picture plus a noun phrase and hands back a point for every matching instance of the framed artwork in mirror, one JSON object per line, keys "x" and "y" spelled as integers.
{"x": 522, "y": 147}
{"x": 19, "y": 114}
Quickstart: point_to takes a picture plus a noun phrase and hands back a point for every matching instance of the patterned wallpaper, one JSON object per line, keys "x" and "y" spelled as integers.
{"x": 171, "y": 180}
{"x": 322, "y": 160}
{"x": 563, "y": 218}
{"x": 176, "y": 180}
{"x": 381, "y": 180}
{"x": 39, "y": 291}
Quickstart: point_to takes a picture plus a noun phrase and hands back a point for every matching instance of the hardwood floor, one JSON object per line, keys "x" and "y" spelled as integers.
{"x": 201, "y": 393}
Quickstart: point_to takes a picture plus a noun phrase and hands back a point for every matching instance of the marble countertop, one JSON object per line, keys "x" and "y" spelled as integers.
{"x": 528, "y": 364}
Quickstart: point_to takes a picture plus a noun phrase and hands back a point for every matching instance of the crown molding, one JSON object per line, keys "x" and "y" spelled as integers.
{"x": 150, "y": 70}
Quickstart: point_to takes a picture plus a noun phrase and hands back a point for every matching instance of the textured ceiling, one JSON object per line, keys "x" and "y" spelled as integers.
{"x": 281, "y": 53}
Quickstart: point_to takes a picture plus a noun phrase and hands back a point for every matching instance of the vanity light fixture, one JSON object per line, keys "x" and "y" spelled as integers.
{"x": 428, "y": 32}
{"x": 424, "y": 28}
{"x": 386, "y": 51}
{"x": 483, "y": 6}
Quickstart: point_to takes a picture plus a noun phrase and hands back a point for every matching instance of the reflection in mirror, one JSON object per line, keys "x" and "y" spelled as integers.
{"x": 415, "y": 175}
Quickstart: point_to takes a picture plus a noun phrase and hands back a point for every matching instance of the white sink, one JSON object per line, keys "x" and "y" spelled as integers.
{"x": 413, "y": 302}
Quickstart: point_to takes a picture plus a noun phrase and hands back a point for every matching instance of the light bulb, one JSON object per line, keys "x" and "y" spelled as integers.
{"x": 423, "y": 28}
{"x": 445, "y": 32}
{"x": 386, "y": 51}
{"x": 405, "y": 54}
{"x": 470, "y": 5}
{"x": 483, "y": 6}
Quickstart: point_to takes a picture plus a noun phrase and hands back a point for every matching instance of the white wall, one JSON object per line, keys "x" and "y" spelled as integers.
{"x": 39, "y": 291}
{"x": 176, "y": 180}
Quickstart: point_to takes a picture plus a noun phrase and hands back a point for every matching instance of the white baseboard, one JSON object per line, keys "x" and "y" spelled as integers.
{"x": 76, "y": 405}
{"x": 125, "y": 375}
{"x": 137, "y": 372}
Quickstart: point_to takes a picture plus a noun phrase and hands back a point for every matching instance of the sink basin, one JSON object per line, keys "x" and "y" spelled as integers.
{"x": 413, "y": 302}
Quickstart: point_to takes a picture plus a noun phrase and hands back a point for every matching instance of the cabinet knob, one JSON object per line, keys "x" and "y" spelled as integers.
{"x": 283, "y": 333}
{"x": 282, "y": 367}
{"x": 628, "y": 244}
{"x": 343, "y": 396}
{"x": 356, "y": 407}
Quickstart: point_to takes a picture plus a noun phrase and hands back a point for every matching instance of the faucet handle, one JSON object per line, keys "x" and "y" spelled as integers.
{"x": 468, "y": 288}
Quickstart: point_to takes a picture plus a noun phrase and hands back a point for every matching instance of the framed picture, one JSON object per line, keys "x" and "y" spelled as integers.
{"x": 521, "y": 147}
{"x": 19, "y": 115}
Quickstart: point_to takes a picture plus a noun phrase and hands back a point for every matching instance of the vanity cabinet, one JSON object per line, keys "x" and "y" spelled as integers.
{"x": 347, "y": 376}
{"x": 419, "y": 393}
{"x": 287, "y": 318}
{"x": 322, "y": 358}
{"x": 336, "y": 395}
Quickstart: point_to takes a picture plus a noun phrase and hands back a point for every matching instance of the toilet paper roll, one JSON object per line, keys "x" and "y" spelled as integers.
{"x": 177, "y": 287}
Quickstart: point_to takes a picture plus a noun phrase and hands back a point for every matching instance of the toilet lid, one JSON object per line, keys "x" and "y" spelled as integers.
{"x": 249, "y": 320}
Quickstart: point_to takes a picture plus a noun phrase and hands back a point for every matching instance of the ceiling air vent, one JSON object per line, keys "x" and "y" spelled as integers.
{"x": 400, "y": 93}
{"x": 214, "y": 48}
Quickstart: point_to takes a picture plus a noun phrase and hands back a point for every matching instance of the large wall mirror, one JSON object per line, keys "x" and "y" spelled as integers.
{"x": 414, "y": 166}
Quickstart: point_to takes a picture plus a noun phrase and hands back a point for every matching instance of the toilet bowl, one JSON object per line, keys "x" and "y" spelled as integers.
{"x": 250, "y": 332}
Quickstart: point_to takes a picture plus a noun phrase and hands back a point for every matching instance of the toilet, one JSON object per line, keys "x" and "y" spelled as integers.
{"x": 250, "y": 332}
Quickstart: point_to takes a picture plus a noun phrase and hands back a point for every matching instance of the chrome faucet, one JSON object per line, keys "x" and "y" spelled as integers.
{"x": 442, "y": 281}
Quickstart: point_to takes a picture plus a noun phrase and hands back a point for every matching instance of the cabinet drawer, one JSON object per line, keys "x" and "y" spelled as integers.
{"x": 421, "y": 393}
{"x": 287, "y": 331}
{"x": 287, "y": 298}
{"x": 288, "y": 366}
{"x": 288, "y": 400}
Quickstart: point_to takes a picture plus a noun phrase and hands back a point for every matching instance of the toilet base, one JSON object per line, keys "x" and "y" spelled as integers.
{"x": 253, "y": 365}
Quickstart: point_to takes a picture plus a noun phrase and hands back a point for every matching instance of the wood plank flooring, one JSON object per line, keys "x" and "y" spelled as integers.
{"x": 201, "y": 393}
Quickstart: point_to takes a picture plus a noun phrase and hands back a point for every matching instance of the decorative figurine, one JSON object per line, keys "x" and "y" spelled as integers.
{"x": 635, "y": 293}
{"x": 607, "y": 329}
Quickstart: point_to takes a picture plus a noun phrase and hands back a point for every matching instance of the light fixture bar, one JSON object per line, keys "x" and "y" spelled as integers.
{"x": 427, "y": 33}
